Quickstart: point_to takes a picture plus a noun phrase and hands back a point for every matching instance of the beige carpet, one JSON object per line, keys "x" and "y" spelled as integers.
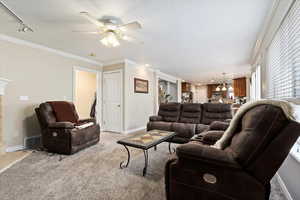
{"x": 8, "y": 159}
{"x": 90, "y": 174}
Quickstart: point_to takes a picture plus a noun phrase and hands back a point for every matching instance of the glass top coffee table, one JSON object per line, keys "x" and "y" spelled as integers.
{"x": 145, "y": 141}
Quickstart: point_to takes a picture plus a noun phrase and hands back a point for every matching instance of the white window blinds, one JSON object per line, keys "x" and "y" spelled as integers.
{"x": 283, "y": 58}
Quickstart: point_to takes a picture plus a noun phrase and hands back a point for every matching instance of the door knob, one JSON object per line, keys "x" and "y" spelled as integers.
{"x": 119, "y": 105}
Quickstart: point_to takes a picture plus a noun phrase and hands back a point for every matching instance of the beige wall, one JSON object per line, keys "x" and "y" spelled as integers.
{"x": 138, "y": 106}
{"x": 38, "y": 74}
{"x": 85, "y": 90}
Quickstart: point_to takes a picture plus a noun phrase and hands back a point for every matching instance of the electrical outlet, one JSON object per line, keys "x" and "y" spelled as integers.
{"x": 24, "y": 98}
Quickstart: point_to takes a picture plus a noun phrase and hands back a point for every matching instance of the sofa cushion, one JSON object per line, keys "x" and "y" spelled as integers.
{"x": 169, "y": 112}
{"x": 64, "y": 111}
{"x": 155, "y": 118}
{"x": 219, "y": 126}
{"x": 191, "y": 113}
{"x": 211, "y": 137}
{"x": 215, "y": 112}
{"x": 184, "y": 130}
{"x": 165, "y": 126}
{"x": 201, "y": 128}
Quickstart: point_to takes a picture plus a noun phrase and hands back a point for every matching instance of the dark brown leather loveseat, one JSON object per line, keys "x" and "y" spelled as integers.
{"x": 64, "y": 136}
{"x": 242, "y": 170}
{"x": 188, "y": 119}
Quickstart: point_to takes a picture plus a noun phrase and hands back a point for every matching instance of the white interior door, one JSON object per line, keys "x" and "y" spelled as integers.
{"x": 112, "y": 101}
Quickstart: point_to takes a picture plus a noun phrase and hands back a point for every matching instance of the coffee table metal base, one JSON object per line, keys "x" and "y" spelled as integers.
{"x": 122, "y": 165}
{"x": 125, "y": 165}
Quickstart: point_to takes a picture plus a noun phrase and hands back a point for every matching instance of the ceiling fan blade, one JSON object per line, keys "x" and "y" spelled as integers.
{"x": 92, "y": 19}
{"x": 131, "y": 39}
{"x": 130, "y": 26}
{"x": 87, "y": 32}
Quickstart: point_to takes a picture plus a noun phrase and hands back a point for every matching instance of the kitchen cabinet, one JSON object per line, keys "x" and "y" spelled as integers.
{"x": 239, "y": 87}
{"x": 211, "y": 89}
{"x": 186, "y": 87}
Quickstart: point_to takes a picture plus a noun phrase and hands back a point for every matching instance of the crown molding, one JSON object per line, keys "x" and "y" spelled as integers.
{"x": 167, "y": 77}
{"x": 42, "y": 47}
{"x": 113, "y": 62}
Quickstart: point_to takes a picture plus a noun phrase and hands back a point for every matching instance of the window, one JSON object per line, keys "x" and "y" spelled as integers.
{"x": 253, "y": 87}
{"x": 255, "y": 91}
{"x": 257, "y": 83}
{"x": 283, "y": 58}
{"x": 283, "y": 63}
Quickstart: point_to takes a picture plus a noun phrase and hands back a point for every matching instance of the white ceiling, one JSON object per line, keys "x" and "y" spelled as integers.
{"x": 196, "y": 40}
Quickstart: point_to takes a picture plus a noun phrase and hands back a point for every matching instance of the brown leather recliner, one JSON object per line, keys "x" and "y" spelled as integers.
{"x": 64, "y": 137}
{"x": 243, "y": 169}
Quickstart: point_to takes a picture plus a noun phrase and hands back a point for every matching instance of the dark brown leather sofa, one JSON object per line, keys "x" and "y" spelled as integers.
{"x": 188, "y": 119}
{"x": 62, "y": 136}
{"x": 240, "y": 171}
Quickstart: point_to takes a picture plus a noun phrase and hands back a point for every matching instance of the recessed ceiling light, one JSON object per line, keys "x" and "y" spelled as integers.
{"x": 147, "y": 65}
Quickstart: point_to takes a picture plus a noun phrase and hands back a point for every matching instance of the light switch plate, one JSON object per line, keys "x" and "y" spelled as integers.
{"x": 24, "y": 98}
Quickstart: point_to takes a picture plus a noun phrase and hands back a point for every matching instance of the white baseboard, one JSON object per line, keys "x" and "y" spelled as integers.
{"x": 15, "y": 148}
{"x": 283, "y": 187}
{"x": 134, "y": 130}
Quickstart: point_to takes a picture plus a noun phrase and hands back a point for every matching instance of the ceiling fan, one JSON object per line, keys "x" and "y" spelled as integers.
{"x": 111, "y": 30}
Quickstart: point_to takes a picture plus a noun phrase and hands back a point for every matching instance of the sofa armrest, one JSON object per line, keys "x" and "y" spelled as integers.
{"x": 82, "y": 121}
{"x": 197, "y": 152}
{"x": 62, "y": 125}
{"x": 218, "y": 126}
{"x": 211, "y": 137}
{"x": 227, "y": 120}
{"x": 155, "y": 118}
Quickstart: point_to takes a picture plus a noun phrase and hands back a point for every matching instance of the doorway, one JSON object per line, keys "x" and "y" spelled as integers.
{"x": 113, "y": 101}
{"x": 86, "y": 92}
{"x": 168, "y": 91}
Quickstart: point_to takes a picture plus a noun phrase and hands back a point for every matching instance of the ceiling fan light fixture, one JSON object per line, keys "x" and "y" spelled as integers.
{"x": 24, "y": 28}
{"x": 224, "y": 87}
{"x": 110, "y": 40}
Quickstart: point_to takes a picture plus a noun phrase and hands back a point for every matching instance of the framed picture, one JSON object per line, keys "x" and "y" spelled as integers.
{"x": 140, "y": 85}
